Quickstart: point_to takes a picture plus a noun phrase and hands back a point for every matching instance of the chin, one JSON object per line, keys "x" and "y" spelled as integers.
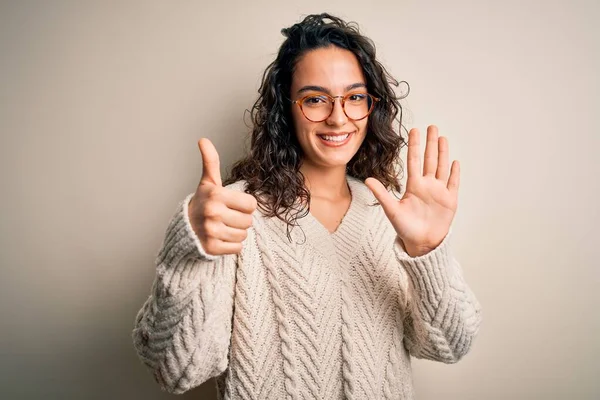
{"x": 336, "y": 156}
{"x": 333, "y": 161}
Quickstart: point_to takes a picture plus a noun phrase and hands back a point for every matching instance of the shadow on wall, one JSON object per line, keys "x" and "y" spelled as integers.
{"x": 95, "y": 361}
{"x": 111, "y": 369}
{"x": 119, "y": 366}
{"x": 90, "y": 354}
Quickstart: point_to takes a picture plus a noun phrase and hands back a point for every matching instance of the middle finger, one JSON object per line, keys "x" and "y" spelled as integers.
{"x": 431, "y": 151}
{"x": 236, "y": 219}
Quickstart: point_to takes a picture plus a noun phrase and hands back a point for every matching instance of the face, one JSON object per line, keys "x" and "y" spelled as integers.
{"x": 335, "y": 72}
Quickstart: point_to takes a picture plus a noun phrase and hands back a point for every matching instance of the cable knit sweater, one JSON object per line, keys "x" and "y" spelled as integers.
{"x": 325, "y": 316}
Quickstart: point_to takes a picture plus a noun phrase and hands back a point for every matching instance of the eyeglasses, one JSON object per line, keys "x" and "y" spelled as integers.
{"x": 318, "y": 107}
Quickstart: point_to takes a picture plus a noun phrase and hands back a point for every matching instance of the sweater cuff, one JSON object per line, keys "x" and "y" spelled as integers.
{"x": 181, "y": 240}
{"x": 429, "y": 273}
{"x": 188, "y": 225}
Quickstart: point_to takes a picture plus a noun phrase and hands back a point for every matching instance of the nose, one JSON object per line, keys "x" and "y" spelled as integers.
{"x": 338, "y": 116}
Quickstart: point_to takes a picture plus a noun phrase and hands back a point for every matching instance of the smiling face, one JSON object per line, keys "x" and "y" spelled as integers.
{"x": 333, "y": 142}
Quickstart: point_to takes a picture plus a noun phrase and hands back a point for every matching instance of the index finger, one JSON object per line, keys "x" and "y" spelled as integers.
{"x": 413, "y": 158}
{"x": 240, "y": 201}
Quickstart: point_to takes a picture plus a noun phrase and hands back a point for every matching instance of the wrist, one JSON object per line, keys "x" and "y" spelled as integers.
{"x": 417, "y": 249}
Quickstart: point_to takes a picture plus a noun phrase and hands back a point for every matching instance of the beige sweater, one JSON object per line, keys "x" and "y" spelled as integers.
{"x": 327, "y": 316}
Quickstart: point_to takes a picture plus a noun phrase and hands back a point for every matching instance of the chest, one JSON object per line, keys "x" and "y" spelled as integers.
{"x": 329, "y": 213}
{"x": 300, "y": 301}
{"x": 309, "y": 270}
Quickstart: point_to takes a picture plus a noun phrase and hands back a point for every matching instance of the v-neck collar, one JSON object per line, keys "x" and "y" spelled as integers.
{"x": 345, "y": 240}
{"x": 348, "y": 216}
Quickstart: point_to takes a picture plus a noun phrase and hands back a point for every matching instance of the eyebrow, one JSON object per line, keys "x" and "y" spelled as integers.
{"x": 309, "y": 88}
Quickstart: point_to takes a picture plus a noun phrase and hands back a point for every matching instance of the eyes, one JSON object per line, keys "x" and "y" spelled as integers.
{"x": 357, "y": 97}
{"x": 315, "y": 100}
{"x": 322, "y": 99}
{"x": 319, "y": 106}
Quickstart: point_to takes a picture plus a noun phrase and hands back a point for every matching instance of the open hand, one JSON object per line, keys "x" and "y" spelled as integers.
{"x": 423, "y": 216}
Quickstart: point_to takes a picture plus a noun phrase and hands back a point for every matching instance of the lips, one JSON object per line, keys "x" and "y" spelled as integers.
{"x": 335, "y": 139}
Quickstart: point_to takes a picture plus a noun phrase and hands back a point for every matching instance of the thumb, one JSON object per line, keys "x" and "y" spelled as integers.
{"x": 210, "y": 162}
{"x": 382, "y": 195}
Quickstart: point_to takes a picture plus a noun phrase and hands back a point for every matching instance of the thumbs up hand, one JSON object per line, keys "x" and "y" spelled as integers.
{"x": 219, "y": 216}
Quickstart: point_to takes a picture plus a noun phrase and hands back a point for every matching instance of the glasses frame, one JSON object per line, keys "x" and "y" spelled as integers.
{"x": 343, "y": 99}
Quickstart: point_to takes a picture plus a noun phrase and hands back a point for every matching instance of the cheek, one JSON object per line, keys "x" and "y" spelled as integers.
{"x": 303, "y": 127}
{"x": 362, "y": 126}
{"x": 297, "y": 119}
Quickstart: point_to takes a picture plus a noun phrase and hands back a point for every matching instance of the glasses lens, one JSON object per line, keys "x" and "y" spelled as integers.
{"x": 317, "y": 107}
{"x": 357, "y": 105}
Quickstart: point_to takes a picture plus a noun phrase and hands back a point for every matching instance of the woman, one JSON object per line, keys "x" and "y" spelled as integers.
{"x": 297, "y": 280}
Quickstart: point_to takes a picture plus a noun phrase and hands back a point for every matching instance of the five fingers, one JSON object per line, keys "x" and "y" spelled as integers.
{"x": 436, "y": 159}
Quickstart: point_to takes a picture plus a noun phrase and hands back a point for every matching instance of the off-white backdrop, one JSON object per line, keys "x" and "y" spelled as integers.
{"x": 101, "y": 107}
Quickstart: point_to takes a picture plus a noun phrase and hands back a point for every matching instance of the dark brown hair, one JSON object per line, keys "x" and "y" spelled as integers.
{"x": 272, "y": 167}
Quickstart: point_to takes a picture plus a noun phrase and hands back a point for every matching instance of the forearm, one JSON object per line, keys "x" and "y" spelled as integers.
{"x": 182, "y": 331}
{"x": 444, "y": 315}
{"x": 184, "y": 339}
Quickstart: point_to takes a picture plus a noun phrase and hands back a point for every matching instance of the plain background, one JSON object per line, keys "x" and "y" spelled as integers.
{"x": 101, "y": 105}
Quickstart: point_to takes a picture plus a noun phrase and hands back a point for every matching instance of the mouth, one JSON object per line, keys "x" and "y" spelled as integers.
{"x": 335, "y": 139}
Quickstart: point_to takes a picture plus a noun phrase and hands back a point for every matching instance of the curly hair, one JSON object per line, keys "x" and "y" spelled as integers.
{"x": 271, "y": 168}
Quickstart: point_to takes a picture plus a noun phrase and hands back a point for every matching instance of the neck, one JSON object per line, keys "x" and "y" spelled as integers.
{"x": 327, "y": 183}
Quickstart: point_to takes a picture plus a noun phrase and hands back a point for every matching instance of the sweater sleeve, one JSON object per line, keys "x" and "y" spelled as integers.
{"x": 443, "y": 315}
{"x": 183, "y": 330}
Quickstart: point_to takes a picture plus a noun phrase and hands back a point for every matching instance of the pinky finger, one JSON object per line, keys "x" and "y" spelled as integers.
{"x": 231, "y": 247}
{"x": 219, "y": 248}
{"x": 454, "y": 180}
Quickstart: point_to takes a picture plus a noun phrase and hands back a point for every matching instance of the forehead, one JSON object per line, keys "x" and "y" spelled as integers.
{"x": 331, "y": 67}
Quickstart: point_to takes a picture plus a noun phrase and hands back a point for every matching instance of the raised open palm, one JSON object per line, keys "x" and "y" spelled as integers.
{"x": 423, "y": 216}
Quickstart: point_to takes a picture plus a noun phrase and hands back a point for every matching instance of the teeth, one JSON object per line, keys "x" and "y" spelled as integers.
{"x": 335, "y": 138}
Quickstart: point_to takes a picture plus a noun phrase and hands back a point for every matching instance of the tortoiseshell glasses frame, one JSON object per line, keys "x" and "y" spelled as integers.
{"x": 322, "y": 99}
